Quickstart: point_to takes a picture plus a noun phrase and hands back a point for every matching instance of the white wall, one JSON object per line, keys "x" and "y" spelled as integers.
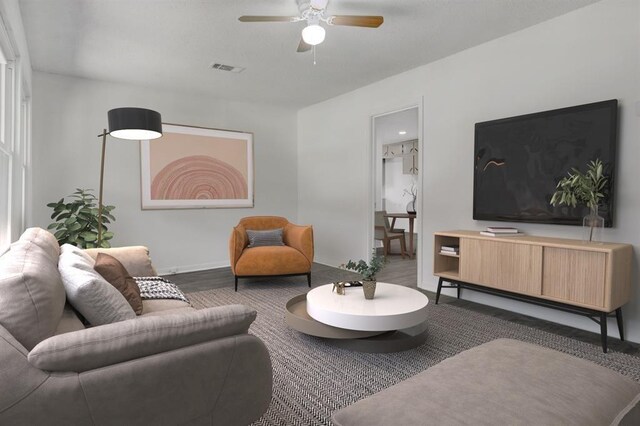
{"x": 69, "y": 113}
{"x": 588, "y": 55}
{"x": 395, "y": 183}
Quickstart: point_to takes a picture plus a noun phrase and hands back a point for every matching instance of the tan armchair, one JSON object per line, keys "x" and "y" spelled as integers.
{"x": 295, "y": 257}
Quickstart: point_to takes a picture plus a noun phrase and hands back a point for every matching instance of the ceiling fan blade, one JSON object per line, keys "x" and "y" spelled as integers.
{"x": 269, "y": 18}
{"x": 357, "y": 21}
{"x": 303, "y": 47}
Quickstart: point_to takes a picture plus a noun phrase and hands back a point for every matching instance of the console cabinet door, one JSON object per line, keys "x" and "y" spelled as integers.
{"x": 576, "y": 276}
{"x": 507, "y": 266}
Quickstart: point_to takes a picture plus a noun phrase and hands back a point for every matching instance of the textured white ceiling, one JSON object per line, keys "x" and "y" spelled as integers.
{"x": 172, "y": 43}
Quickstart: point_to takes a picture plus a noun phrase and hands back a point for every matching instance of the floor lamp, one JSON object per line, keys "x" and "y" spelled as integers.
{"x": 132, "y": 124}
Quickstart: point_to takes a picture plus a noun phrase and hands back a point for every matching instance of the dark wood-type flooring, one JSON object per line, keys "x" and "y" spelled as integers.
{"x": 397, "y": 271}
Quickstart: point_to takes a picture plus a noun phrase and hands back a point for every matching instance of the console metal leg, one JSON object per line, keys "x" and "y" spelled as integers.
{"x": 236, "y": 283}
{"x": 309, "y": 279}
{"x": 603, "y": 331}
{"x": 439, "y": 290}
{"x": 458, "y": 289}
{"x": 620, "y": 326}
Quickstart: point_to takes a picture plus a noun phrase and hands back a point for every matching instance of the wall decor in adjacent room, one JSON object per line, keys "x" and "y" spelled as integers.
{"x": 196, "y": 167}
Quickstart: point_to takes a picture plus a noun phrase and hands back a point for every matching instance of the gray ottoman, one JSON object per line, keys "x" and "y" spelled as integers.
{"x": 503, "y": 382}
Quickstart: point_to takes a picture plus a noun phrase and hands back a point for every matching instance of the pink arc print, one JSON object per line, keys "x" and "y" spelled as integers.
{"x": 198, "y": 177}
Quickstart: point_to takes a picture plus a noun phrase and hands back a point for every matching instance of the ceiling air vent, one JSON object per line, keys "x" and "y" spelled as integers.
{"x": 230, "y": 68}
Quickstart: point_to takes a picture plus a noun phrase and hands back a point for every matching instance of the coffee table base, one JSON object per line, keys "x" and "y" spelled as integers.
{"x": 360, "y": 341}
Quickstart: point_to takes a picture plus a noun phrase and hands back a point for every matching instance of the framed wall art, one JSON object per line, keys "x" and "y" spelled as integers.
{"x": 195, "y": 167}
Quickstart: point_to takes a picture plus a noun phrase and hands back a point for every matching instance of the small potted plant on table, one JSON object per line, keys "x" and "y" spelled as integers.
{"x": 368, "y": 272}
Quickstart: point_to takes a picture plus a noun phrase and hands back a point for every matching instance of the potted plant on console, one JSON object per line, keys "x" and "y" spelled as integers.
{"x": 368, "y": 272}
{"x": 585, "y": 188}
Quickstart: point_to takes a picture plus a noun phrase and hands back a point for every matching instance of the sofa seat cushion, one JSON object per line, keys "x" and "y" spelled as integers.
{"x": 503, "y": 382}
{"x": 272, "y": 260}
{"x": 156, "y": 306}
{"x": 31, "y": 293}
{"x": 182, "y": 310}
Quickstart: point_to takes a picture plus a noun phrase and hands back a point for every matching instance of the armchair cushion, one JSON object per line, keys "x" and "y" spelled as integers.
{"x": 272, "y": 260}
{"x": 114, "y": 343}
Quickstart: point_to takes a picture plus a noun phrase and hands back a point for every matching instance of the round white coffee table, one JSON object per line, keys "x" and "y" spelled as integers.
{"x": 394, "y": 307}
{"x": 394, "y": 320}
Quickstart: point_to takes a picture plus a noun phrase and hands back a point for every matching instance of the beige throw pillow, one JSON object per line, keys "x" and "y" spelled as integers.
{"x": 116, "y": 274}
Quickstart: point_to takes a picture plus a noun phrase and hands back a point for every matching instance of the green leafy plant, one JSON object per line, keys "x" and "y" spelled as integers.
{"x": 76, "y": 221}
{"x": 367, "y": 270}
{"x": 585, "y": 188}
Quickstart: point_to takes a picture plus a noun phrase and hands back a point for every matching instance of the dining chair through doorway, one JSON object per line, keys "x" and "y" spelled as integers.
{"x": 384, "y": 233}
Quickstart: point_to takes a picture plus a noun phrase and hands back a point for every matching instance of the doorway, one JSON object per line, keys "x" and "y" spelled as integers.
{"x": 396, "y": 180}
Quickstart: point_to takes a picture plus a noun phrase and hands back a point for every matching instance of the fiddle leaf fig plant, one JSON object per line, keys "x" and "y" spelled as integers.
{"x": 585, "y": 188}
{"x": 76, "y": 221}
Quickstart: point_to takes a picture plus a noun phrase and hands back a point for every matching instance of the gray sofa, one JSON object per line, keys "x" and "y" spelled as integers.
{"x": 503, "y": 382}
{"x": 171, "y": 365}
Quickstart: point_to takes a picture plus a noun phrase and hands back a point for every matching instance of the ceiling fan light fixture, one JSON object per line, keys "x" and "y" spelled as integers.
{"x": 313, "y": 34}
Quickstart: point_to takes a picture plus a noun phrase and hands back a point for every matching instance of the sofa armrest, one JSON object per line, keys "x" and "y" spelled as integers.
{"x": 237, "y": 242}
{"x": 126, "y": 340}
{"x": 135, "y": 259}
{"x": 300, "y": 238}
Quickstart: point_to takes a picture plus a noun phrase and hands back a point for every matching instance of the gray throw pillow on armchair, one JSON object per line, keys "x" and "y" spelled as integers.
{"x": 270, "y": 237}
{"x": 98, "y": 301}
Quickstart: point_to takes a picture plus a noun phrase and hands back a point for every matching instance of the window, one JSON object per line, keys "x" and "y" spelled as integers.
{"x": 15, "y": 114}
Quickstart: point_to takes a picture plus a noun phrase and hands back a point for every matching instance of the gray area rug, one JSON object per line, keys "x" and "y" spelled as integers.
{"x": 312, "y": 378}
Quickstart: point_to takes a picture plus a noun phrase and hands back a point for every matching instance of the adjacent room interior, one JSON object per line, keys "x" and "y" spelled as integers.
{"x": 313, "y": 212}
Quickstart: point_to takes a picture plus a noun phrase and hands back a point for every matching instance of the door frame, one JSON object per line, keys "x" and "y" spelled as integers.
{"x": 403, "y": 106}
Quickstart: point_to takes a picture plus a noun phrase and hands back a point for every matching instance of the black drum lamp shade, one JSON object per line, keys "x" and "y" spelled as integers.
{"x": 135, "y": 123}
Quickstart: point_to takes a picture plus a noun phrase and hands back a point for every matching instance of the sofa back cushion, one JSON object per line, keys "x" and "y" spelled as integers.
{"x": 31, "y": 292}
{"x": 43, "y": 239}
{"x": 135, "y": 259}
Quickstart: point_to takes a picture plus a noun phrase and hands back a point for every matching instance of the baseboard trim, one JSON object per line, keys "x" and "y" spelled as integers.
{"x": 172, "y": 270}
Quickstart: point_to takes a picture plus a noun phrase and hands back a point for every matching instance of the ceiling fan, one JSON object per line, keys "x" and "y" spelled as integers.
{"x": 313, "y": 12}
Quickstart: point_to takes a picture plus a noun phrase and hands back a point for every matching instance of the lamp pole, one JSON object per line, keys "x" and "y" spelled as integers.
{"x": 104, "y": 146}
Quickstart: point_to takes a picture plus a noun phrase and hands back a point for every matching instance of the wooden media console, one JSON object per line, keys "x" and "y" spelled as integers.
{"x": 587, "y": 278}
